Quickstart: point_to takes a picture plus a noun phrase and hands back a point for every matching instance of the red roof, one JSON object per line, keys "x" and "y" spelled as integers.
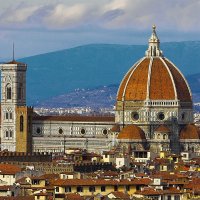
{"x": 73, "y": 196}
{"x": 162, "y": 128}
{"x": 132, "y": 132}
{"x": 163, "y": 77}
{"x": 15, "y": 62}
{"x": 115, "y": 128}
{"x": 88, "y": 182}
{"x": 9, "y": 169}
{"x": 77, "y": 118}
{"x": 190, "y": 131}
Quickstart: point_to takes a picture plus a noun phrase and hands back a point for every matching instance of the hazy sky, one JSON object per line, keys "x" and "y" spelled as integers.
{"x": 38, "y": 26}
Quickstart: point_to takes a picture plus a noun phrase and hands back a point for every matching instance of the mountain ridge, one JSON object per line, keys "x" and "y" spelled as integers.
{"x": 92, "y": 65}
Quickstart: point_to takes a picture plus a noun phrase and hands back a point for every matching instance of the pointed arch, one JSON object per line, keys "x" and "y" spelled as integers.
{"x": 8, "y": 91}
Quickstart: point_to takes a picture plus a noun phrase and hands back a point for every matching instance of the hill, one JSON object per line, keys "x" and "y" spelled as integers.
{"x": 90, "y": 66}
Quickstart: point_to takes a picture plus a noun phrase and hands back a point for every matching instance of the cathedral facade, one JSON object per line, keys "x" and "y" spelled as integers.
{"x": 154, "y": 111}
{"x": 154, "y": 101}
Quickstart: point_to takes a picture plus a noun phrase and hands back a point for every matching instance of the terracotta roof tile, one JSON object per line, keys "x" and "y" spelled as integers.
{"x": 86, "y": 182}
{"x": 9, "y": 169}
{"x": 162, "y": 77}
{"x": 115, "y": 128}
{"x": 190, "y": 131}
{"x": 162, "y": 128}
{"x": 132, "y": 132}
{"x": 73, "y": 196}
{"x": 161, "y": 86}
{"x": 182, "y": 88}
{"x": 76, "y": 118}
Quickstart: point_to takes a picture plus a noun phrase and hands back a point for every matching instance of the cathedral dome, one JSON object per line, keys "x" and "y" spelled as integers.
{"x": 190, "y": 131}
{"x": 162, "y": 129}
{"x": 154, "y": 77}
{"x": 132, "y": 132}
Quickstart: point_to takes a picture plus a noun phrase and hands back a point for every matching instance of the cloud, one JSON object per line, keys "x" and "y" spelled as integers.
{"x": 18, "y": 14}
{"x": 181, "y": 15}
{"x": 62, "y": 16}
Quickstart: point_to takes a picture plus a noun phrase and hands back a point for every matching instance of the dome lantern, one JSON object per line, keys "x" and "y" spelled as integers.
{"x": 154, "y": 45}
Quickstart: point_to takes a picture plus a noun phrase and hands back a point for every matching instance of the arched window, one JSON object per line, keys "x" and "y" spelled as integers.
{"x": 11, "y": 134}
{"x": 10, "y": 115}
{"x": 21, "y": 123}
{"x": 6, "y": 115}
{"x": 8, "y": 92}
{"x": 165, "y": 137}
{"x": 7, "y": 134}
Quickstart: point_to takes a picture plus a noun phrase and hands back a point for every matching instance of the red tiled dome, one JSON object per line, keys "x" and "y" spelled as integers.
{"x": 190, "y": 131}
{"x": 163, "y": 129}
{"x": 132, "y": 132}
{"x": 155, "y": 79}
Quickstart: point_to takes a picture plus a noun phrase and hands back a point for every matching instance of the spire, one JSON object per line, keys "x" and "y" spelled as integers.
{"x": 154, "y": 44}
{"x": 13, "y": 51}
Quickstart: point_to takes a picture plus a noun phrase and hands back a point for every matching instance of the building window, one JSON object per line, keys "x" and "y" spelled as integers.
{"x": 38, "y": 130}
{"x": 169, "y": 197}
{"x": 127, "y": 187}
{"x": 6, "y": 115}
{"x": 21, "y": 123}
{"x": 57, "y": 189}
{"x": 135, "y": 116}
{"x": 105, "y": 131}
{"x": 8, "y": 92}
{"x": 176, "y": 197}
{"x": 92, "y": 189}
{"x": 7, "y": 134}
{"x": 79, "y": 189}
{"x": 103, "y": 188}
{"x": 165, "y": 136}
{"x": 161, "y": 116}
{"x": 83, "y": 131}
{"x": 60, "y": 131}
{"x": 137, "y": 187}
{"x": 183, "y": 116}
{"x": 115, "y": 188}
{"x": 11, "y": 134}
{"x": 68, "y": 189}
{"x": 10, "y": 115}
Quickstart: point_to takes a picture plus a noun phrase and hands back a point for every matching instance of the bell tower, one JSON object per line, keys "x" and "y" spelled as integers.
{"x": 15, "y": 115}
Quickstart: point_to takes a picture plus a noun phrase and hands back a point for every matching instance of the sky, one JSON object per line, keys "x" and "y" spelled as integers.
{"x": 40, "y": 26}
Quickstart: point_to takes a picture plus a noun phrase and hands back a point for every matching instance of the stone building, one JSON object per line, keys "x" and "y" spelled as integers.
{"x": 16, "y": 117}
{"x": 54, "y": 133}
{"x": 154, "y": 112}
{"x": 154, "y": 101}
